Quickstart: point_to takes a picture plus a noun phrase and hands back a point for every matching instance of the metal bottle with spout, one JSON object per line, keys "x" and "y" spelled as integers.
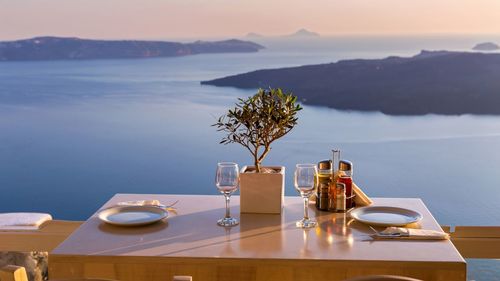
{"x": 332, "y": 206}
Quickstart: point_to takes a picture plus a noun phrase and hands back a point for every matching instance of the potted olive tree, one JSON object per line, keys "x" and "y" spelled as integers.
{"x": 255, "y": 123}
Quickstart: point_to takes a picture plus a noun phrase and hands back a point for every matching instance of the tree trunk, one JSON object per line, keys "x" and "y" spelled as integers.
{"x": 257, "y": 166}
{"x": 256, "y": 160}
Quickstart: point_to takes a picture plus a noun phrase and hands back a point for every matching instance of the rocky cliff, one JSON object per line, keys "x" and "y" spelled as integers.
{"x": 439, "y": 82}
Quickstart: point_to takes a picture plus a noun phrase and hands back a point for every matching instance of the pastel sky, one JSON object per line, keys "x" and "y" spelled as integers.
{"x": 147, "y": 19}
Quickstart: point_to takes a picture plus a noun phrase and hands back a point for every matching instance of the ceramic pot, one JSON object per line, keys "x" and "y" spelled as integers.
{"x": 262, "y": 193}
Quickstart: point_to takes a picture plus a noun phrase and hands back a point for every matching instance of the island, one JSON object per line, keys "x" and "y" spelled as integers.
{"x": 487, "y": 46}
{"x": 303, "y": 33}
{"x": 432, "y": 82}
{"x": 60, "y": 48}
{"x": 299, "y": 34}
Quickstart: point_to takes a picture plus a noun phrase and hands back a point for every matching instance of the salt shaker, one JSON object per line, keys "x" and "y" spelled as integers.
{"x": 340, "y": 198}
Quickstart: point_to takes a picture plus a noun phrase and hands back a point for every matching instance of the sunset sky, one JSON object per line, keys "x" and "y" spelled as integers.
{"x": 163, "y": 19}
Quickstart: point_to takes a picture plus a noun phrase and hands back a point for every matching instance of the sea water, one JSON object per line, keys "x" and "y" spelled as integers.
{"x": 74, "y": 133}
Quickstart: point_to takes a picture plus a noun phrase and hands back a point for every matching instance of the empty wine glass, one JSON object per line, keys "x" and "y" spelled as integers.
{"x": 227, "y": 178}
{"x": 305, "y": 179}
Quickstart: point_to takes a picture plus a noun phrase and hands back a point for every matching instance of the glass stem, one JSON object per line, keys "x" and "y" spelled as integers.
{"x": 228, "y": 215}
{"x": 306, "y": 209}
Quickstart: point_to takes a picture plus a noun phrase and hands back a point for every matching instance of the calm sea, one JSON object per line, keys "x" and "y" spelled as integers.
{"x": 73, "y": 133}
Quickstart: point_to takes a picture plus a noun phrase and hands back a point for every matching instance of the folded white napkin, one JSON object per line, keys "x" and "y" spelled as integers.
{"x": 361, "y": 199}
{"x": 412, "y": 233}
{"x": 22, "y": 221}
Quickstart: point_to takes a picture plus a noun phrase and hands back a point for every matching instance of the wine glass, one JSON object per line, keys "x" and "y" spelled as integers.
{"x": 227, "y": 178}
{"x": 305, "y": 179}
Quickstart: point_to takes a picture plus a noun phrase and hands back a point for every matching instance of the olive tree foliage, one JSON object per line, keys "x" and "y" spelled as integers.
{"x": 258, "y": 121}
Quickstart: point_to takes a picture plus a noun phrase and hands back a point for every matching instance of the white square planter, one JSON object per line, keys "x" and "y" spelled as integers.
{"x": 262, "y": 193}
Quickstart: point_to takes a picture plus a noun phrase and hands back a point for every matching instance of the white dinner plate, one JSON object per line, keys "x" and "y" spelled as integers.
{"x": 385, "y": 216}
{"x": 132, "y": 215}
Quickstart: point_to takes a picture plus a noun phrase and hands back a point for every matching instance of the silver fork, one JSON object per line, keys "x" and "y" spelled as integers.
{"x": 388, "y": 235}
{"x": 171, "y": 206}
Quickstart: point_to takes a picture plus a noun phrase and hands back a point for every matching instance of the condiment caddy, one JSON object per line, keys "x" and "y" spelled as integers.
{"x": 335, "y": 186}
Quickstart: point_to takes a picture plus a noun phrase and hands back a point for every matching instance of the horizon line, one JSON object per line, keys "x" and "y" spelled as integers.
{"x": 264, "y": 36}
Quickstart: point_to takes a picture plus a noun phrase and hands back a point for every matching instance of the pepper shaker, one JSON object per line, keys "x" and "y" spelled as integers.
{"x": 345, "y": 177}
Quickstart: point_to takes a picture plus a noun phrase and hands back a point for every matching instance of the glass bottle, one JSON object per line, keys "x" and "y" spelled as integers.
{"x": 324, "y": 183}
{"x": 332, "y": 206}
{"x": 345, "y": 177}
{"x": 340, "y": 198}
{"x": 335, "y": 164}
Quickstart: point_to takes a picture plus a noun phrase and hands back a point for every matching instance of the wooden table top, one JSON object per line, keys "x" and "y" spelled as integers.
{"x": 193, "y": 233}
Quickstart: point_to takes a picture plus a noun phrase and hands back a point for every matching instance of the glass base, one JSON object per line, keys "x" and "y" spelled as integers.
{"x": 228, "y": 222}
{"x": 306, "y": 223}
